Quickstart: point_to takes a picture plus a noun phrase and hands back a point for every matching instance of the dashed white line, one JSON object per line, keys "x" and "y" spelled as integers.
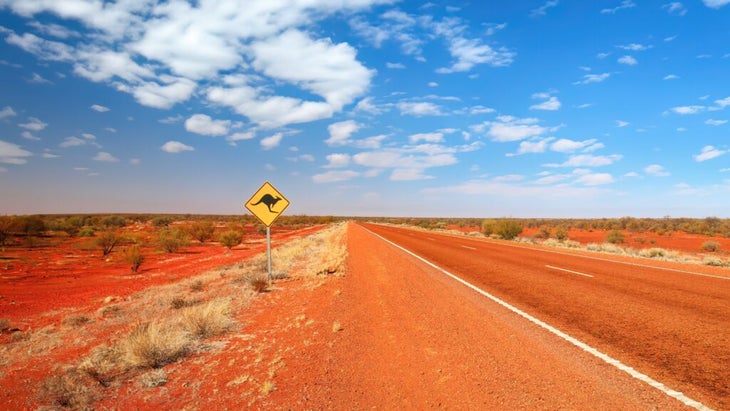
{"x": 576, "y": 342}
{"x": 469, "y": 248}
{"x": 569, "y": 271}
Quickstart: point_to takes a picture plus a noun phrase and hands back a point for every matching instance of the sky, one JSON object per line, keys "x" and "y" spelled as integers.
{"x": 555, "y": 109}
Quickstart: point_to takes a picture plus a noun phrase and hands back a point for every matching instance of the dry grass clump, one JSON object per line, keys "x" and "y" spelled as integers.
{"x": 155, "y": 344}
{"x": 257, "y": 281}
{"x": 153, "y": 378}
{"x": 182, "y": 302}
{"x": 713, "y": 261}
{"x": 103, "y": 364}
{"x": 71, "y": 389}
{"x": 197, "y": 286}
{"x": 208, "y": 320}
{"x": 4, "y": 324}
{"x": 76, "y": 320}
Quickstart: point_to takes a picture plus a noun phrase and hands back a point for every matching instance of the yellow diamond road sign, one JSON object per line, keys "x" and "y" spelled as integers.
{"x": 267, "y": 204}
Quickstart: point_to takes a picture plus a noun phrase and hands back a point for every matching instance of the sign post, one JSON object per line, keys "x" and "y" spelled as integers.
{"x": 267, "y": 204}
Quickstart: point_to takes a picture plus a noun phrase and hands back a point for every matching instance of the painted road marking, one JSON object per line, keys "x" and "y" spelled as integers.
{"x": 568, "y": 271}
{"x": 469, "y": 248}
{"x": 576, "y": 342}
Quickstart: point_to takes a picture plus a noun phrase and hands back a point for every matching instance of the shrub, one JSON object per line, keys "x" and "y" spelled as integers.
{"x": 197, "y": 285}
{"x": 171, "y": 240}
{"x": 713, "y": 261}
{"x": 208, "y": 320}
{"x": 258, "y": 282}
{"x": 544, "y": 233}
{"x": 154, "y": 345}
{"x": 103, "y": 364}
{"x": 488, "y": 227}
{"x": 710, "y": 246}
{"x": 180, "y": 302}
{"x": 615, "y": 237}
{"x": 202, "y": 231}
{"x": 561, "y": 233}
{"x": 71, "y": 389}
{"x": 86, "y": 232}
{"x": 162, "y": 221}
{"x": 230, "y": 239}
{"x": 113, "y": 221}
{"x": 508, "y": 229}
{"x": 8, "y": 225}
{"x": 134, "y": 256}
{"x": 76, "y": 320}
{"x": 107, "y": 241}
{"x": 653, "y": 252}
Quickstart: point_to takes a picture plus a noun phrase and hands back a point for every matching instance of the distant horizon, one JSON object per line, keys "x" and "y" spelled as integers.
{"x": 367, "y": 107}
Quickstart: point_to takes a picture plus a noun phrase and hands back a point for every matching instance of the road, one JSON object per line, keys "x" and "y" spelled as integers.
{"x": 670, "y": 325}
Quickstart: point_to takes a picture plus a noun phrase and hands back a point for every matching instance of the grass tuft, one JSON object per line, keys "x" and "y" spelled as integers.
{"x": 208, "y": 320}
{"x": 154, "y": 345}
{"x": 70, "y": 389}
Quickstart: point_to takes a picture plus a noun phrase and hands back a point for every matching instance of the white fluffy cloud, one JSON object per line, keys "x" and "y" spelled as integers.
{"x": 33, "y": 124}
{"x": 708, "y": 153}
{"x": 715, "y": 4}
{"x": 99, "y": 108}
{"x": 105, "y": 157}
{"x": 273, "y": 141}
{"x": 656, "y": 170}
{"x": 205, "y": 125}
{"x": 7, "y": 112}
{"x": 12, "y": 153}
{"x": 175, "y": 147}
{"x": 551, "y": 104}
{"x": 340, "y": 132}
{"x": 509, "y": 128}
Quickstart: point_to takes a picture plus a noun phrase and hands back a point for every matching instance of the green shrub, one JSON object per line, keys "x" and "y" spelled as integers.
{"x": 134, "y": 256}
{"x": 615, "y": 237}
{"x": 86, "y": 232}
{"x": 508, "y": 229}
{"x": 230, "y": 239}
{"x": 107, "y": 241}
{"x": 162, "y": 221}
{"x": 710, "y": 246}
{"x": 171, "y": 240}
{"x": 488, "y": 227}
{"x": 113, "y": 221}
{"x": 561, "y": 233}
{"x": 202, "y": 231}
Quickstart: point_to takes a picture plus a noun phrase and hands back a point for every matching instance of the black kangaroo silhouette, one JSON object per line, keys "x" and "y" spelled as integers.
{"x": 269, "y": 200}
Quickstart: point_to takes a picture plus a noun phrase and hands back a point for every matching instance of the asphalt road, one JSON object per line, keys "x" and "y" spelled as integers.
{"x": 671, "y": 324}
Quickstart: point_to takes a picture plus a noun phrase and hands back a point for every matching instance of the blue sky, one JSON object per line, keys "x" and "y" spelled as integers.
{"x": 366, "y": 107}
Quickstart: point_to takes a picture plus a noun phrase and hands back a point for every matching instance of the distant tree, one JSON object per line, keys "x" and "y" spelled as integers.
{"x": 113, "y": 221}
{"x": 489, "y": 227}
{"x": 202, "y": 231}
{"x": 107, "y": 241}
{"x": 162, "y": 221}
{"x": 171, "y": 240}
{"x": 508, "y": 229}
{"x": 8, "y": 226}
{"x": 230, "y": 238}
{"x": 134, "y": 256}
{"x": 615, "y": 237}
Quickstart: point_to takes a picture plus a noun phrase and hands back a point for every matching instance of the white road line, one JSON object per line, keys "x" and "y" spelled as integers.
{"x": 568, "y": 271}
{"x": 468, "y": 248}
{"x": 580, "y": 344}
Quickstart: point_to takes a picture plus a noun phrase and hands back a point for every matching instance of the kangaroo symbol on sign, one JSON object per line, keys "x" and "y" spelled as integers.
{"x": 269, "y": 200}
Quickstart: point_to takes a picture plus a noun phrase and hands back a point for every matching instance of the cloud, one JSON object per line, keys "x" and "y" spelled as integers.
{"x": 268, "y": 143}
{"x": 628, "y": 60}
{"x": 684, "y": 110}
{"x": 241, "y": 136}
{"x": 713, "y": 122}
{"x": 335, "y": 176}
{"x": 675, "y": 7}
{"x": 656, "y": 170}
{"x": 621, "y": 123}
{"x": 33, "y": 124}
{"x": 587, "y": 160}
{"x": 340, "y": 132}
{"x": 625, "y": 4}
{"x": 715, "y": 4}
{"x": 7, "y": 112}
{"x": 725, "y": 102}
{"x": 470, "y": 52}
{"x": 419, "y": 109}
{"x": 72, "y": 142}
{"x": 29, "y": 136}
{"x": 593, "y": 78}
{"x": 542, "y": 10}
{"x": 708, "y": 153}
{"x": 100, "y": 109}
{"x": 38, "y": 79}
{"x": 204, "y": 125}
{"x": 428, "y": 137}
{"x": 532, "y": 147}
{"x": 671, "y": 77}
{"x": 552, "y": 104}
{"x": 12, "y": 153}
{"x": 175, "y": 147}
{"x": 105, "y": 157}
{"x": 595, "y": 179}
{"x": 570, "y": 146}
{"x": 508, "y": 129}
{"x": 338, "y": 160}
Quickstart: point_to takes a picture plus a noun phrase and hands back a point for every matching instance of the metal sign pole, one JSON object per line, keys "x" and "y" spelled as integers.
{"x": 268, "y": 248}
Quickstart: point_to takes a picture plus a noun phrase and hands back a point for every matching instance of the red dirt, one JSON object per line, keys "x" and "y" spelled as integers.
{"x": 391, "y": 333}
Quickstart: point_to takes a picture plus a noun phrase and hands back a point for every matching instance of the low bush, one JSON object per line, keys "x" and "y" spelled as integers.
{"x": 155, "y": 345}
{"x": 710, "y": 246}
{"x": 208, "y": 320}
{"x": 508, "y": 229}
{"x": 71, "y": 389}
{"x": 230, "y": 238}
{"x": 615, "y": 237}
{"x": 171, "y": 240}
{"x": 134, "y": 257}
{"x": 202, "y": 231}
{"x": 107, "y": 241}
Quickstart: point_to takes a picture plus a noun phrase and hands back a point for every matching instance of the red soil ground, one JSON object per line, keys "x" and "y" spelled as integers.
{"x": 335, "y": 342}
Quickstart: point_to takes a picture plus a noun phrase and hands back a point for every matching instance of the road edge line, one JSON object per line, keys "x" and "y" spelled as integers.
{"x": 576, "y": 342}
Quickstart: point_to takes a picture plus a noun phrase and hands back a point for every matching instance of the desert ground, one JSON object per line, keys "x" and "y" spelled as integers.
{"x": 352, "y": 321}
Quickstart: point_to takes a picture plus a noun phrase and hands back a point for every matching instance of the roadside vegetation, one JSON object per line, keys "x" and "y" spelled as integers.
{"x": 164, "y": 325}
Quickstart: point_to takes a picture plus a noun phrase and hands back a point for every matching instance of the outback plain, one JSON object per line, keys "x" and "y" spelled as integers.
{"x": 177, "y": 312}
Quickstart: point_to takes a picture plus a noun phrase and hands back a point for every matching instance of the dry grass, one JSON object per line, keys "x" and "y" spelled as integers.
{"x": 103, "y": 364}
{"x": 70, "y": 389}
{"x": 208, "y": 320}
{"x": 76, "y": 320}
{"x": 155, "y": 344}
